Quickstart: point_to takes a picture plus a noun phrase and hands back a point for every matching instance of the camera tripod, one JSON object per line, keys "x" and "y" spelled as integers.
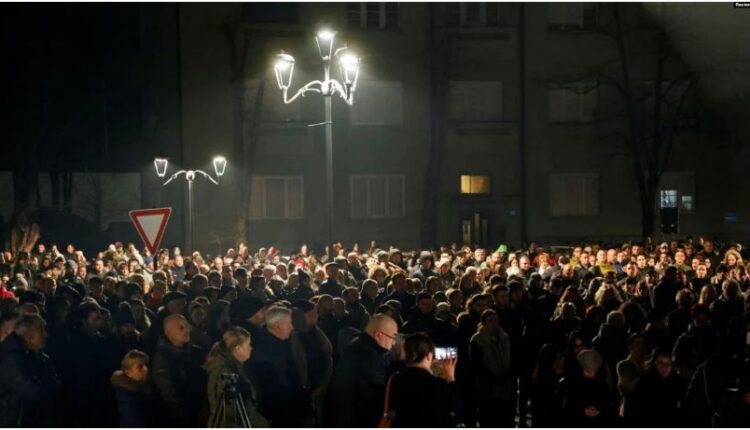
{"x": 230, "y": 400}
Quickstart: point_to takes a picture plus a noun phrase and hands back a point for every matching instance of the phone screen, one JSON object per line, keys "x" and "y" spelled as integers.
{"x": 442, "y": 353}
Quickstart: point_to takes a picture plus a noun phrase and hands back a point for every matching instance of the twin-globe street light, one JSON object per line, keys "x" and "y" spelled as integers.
{"x": 161, "y": 164}
{"x": 349, "y": 70}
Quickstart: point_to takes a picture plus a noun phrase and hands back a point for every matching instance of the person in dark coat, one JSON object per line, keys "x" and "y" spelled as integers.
{"x": 135, "y": 401}
{"x": 285, "y": 398}
{"x": 180, "y": 381}
{"x": 28, "y": 382}
{"x": 357, "y": 389}
{"x": 227, "y": 357}
{"x": 92, "y": 360}
{"x": 490, "y": 357}
{"x": 658, "y": 395}
{"x": 545, "y": 403}
{"x": 586, "y": 399}
{"x": 419, "y": 399}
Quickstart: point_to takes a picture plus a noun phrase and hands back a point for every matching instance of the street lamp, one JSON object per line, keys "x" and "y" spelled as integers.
{"x": 220, "y": 165}
{"x": 349, "y": 64}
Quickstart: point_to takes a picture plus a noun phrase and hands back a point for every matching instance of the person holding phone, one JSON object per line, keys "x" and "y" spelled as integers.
{"x": 418, "y": 398}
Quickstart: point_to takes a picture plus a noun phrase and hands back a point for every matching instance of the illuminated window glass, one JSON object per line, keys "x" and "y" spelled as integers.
{"x": 475, "y": 184}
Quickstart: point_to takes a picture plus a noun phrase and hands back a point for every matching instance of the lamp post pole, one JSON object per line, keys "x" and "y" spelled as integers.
{"x": 349, "y": 65}
{"x": 161, "y": 164}
{"x": 329, "y": 167}
{"x": 190, "y": 215}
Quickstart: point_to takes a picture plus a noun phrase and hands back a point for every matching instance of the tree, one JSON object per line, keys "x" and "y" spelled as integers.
{"x": 653, "y": 87}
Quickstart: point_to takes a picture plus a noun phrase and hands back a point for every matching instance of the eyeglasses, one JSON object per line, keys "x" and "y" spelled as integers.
{"x": 393, "y": 337}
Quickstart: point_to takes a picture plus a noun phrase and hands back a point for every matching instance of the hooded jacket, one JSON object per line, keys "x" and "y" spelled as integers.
{"x": 134, "y": 401}
{"x": 218, "y": 363}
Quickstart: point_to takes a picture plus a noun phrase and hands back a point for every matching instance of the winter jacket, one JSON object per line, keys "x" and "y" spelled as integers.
{"x": 490, "y": 358}
{"x": 28, "y": 384}
{"x": 135, "y": 401}
{"x": 357, "y": 389}
{"x": 419, "y": 399}
{"x": 180, "y": 382}
{"x": 656, "y": 401}
{"x": 221, "y": 362}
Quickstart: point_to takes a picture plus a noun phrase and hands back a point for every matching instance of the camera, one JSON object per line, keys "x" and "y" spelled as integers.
{"x": 230, "y": 381}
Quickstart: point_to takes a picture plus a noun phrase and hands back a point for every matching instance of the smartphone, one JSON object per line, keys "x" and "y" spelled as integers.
{"x": 442, "y": 353}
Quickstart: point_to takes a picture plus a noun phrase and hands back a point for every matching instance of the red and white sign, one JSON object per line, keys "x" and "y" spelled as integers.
{"x": 150, "y": 224}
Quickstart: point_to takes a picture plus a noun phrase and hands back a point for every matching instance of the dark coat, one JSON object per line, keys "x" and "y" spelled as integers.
{"x": 221, "y": 362}
{"x": 579, "y": 393}
{"x": 135, "y": 401}
{"x": 285, "y": 398}
{"x": 656, "y": 401}
{"x": 28, "y": 383}
{"x": 545, "y": 401}
{"x": 181, "y": 383}
{"x": 357, "y": 388}
{"x": 419, "y": 399}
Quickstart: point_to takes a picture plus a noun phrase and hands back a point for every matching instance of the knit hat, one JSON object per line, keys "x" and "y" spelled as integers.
{"x": 503, "y": 249}
{"x": 243, "y": 309}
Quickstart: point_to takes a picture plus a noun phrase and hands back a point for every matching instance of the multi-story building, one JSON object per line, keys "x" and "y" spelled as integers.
{"x": 503, "y": 91}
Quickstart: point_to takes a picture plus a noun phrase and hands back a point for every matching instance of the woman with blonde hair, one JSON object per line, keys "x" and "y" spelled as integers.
{"x": 732, "y": 258}
{"x": 228, "y": 357}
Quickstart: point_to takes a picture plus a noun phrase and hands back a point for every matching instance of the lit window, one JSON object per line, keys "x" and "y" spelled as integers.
{"x": 473, "y": 184}
{"x": 687, "y": 203}
{"x": 668, "y": 199}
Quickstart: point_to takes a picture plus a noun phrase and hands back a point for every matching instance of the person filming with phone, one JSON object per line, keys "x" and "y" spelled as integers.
{"x": 419, "y": 399}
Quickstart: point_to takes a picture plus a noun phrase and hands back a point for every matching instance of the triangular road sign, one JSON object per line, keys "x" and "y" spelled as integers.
{"x": 150, "y": 224}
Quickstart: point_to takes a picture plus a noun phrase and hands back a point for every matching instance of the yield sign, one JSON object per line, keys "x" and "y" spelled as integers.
{"x": 150, "y": 224}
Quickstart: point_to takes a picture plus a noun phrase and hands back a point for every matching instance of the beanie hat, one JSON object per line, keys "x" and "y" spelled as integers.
{"x": 243, "y": 309}
{"x": 303, "y": 305}
{"x": 124, "y": 314}
{"x": 503, "y": 249}
{"x": 173, "y": 295}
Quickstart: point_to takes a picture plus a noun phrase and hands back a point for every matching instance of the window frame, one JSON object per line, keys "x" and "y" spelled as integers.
{"x": 263, "y": 216}
{"x": 572, "y": 97}
{"x": 383, "y": 16}
{"x": 471, "y": 178}
{"x": 368, "y": 200}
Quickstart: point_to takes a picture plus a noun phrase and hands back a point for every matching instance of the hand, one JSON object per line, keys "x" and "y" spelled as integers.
{"x": 448, "y": 369}
{"x": 591, "y": 411}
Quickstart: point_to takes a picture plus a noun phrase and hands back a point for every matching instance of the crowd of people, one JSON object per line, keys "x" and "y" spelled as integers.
{"x": 589, "y": 335}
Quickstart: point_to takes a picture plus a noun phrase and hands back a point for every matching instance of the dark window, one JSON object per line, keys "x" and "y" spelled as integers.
{"x": 372, "y": 15}
{"x": 274, "y": 13}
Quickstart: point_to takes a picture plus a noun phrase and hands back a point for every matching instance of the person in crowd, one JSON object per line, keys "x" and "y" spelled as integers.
{"x": 356, "y": 393}
{"x": 180, "y": 381}
{"x": 225, "y": 369}
{"x": 278, "y": 368}
{"x": 587, "y": 401}
{"x": 135, "y": 401}
{"x": 490, "y": 357}
{"x": 658, "y": 396}
{"x": 29, "y": 385}
{"x": 545, "y": 404}
{"x": 419, "y": 399}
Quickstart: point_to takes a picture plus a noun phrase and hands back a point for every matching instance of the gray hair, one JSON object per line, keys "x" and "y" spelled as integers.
{"x": 276, "y": 314}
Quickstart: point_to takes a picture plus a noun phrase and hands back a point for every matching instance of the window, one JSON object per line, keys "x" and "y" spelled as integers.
{"x": 273, "y": 13}
{"x": 277, "y": 197}
{"x": 572, "y": 16}
{"x": 687, "y": 203}
{"x": 574, "y": 194}
{"x": 677, "y": 189}
{"x": 476, "y": 101}
{"x": 668, "y": 199}
{"x": 474, "y": 184}
{"x": 484, "y": 14}
{"x": 574, "y": 103}
{"x": 372, "y": 15}
{"x": 377, "y": 103}
{"x": 377, "y": 196}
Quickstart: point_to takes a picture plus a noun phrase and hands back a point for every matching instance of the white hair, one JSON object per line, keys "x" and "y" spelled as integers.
{"x": 276, "y": 314}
